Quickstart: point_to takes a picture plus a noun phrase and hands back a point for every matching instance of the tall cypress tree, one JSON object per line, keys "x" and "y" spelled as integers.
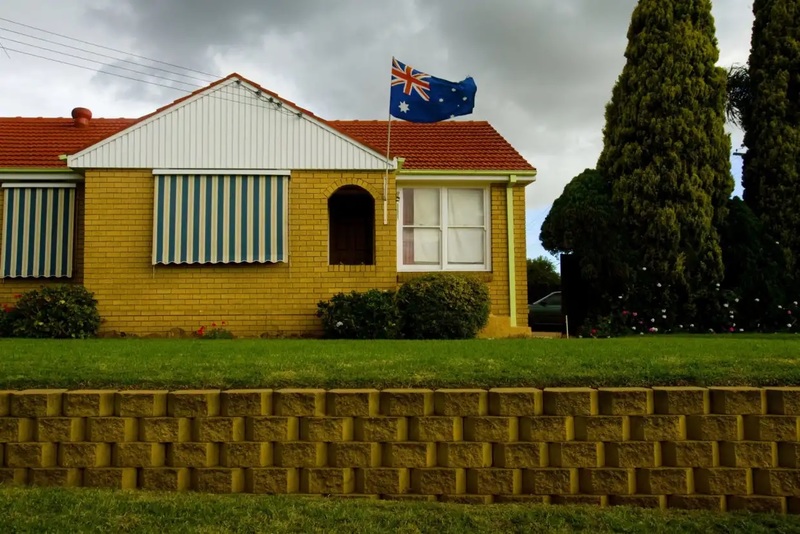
{"x": 771, "y": 172}
{"x": 666, "y": 153}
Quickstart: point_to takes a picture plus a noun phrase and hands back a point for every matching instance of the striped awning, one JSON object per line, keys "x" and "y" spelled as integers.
{"x": 38, "y": 231}
{"x": 220, "y": 219}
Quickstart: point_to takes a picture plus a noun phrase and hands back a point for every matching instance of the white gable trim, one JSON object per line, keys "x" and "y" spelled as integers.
{"x": 228, "y": 126}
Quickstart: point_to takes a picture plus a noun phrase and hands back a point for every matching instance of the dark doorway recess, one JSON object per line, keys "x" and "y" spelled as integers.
{"x": 351, "y": 226}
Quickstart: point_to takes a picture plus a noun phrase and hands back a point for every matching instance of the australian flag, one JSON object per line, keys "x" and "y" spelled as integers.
{"x": 420, "y": 97}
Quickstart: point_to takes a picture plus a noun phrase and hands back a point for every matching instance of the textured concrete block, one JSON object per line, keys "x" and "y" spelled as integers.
{"x": 30, "y": 454}
{"x": 520, "y": 455}
{"x": 300, "y": 454}
{"x": 218, "y": 480}
{"x": 780, "y": 482}
{"x": 409, "y": 454}
{"x": 515, "y": 402}
{"x": 272, "y": 429}
{"x": 783, "y": 401}
{"x": 580, "y": 500}
{"x": 326, "y": 429}
{"x": 192, "y": 454}
{"x": 60, "y": 429}
{"x": 546, "y": 428}
{"x": 355, "y": 454}
{"x": 491, "y": 429}
{"x": 436, "y": 428}
{"x": 461, "y": 402}
{"x": 246, "y": 454}
{"x": 382, "y": 480}
{"x": 246, "y": 402}
{"x": 464, "y": 454}
{"x": 165, "y": 429}
{"x": 164, "y": 478}
{"x": 438, "y": 481}
{"x": 738, "y": 400}
{"x": 84, "y": 454}
{"x": 273, "y": 480}
{"x": 193, "y": 403}
{"x": 658, "y": 427}
{"x": 57, "y": 477}
{"x": 758, "y": 504}
{"x": 467, "y": 499}
{"x": 625, "y": 401}
{"x": 789, "y": 455}
{"x": 382, "y": 429}
{"x": 550, "y": 481}
{"x": 681, "y": 400}
{"x": 723, "y": 481}
{"x": 607, "y": 481}
{"x": 697, "y": 502}
{"x": 112, "y": 429}
{"x": 665, "y": 481}
{"x": 138, "y": 455}
{"x": 407, "y": 402}
{"x": 690, "y": 453}
{"x": 15, "y": 429}
{"x": 633, "y": 454}
{"x": 570, "y": 401}
{"x": 353, "y": 402}
{"x": 5, "y": 402}
{"x": 771, "y": 428}
{"x": 639, "y": 501}
{"x": 748, "y": 454}
{"x": 602, "y": 428}
{"x": 13, "y": 476}
{"x": 110, "y": 477}
{"x": 327, "y": 480}
{"x": 218, "y": 429}
{"x": 143, "y": 403}
{"x": 37, "y": 402}
{"x": 88, "y": 403}
{"x": 715, "y": 427}
{"x": 299, "y": 402}
{"x": 577, "y": 454}
{"x": 494, "y": 481}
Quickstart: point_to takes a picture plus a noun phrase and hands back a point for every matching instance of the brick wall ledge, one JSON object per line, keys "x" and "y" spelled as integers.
{"x": 719, "y": 448}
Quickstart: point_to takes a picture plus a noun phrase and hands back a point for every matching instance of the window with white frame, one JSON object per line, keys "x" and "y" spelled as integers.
{"x": 444, "y": 228}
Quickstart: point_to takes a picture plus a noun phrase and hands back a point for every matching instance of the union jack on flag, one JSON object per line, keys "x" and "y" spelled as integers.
{"x": 419, "y": 97}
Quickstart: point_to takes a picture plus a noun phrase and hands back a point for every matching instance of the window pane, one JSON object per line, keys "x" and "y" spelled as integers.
{"x": 421, "y": 207}
{"x": 421, "y": 246}
{"x": 465, "y": 207}
{"x": 465, "y": 246}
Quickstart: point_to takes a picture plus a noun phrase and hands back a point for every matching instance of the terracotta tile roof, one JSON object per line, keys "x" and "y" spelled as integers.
{"x": 463, "y": 145}
{"x": 37, "y": 142}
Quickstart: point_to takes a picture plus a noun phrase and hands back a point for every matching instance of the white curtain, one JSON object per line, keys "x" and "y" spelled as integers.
{"x": 466, "y": 221}
{"x": 425, "y": 212}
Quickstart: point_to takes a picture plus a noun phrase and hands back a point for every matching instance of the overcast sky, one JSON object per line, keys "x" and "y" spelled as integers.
{"x": 544, "y": 68}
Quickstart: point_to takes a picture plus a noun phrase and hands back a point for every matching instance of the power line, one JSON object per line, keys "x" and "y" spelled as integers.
{"x": 99, "y": 54}
{"x": 4, "y": 49}
{"x": 215, "y": 76}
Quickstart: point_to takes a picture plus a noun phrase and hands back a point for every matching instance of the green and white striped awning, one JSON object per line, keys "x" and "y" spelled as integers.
{"x": 220, "y": 219}
{"x": 38, "y": 230}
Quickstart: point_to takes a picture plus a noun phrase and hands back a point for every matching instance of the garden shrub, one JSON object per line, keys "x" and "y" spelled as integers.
{"x": 8, "y": 315}
{"x": 443, "y": 306}
{"x": 64, "y": 311}
{"x": 369, "y": 315}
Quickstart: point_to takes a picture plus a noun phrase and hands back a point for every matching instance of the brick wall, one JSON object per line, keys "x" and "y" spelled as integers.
{"x": 707, "y": 448}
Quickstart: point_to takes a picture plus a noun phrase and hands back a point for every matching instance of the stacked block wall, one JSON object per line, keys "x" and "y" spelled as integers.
{"x": 702, "y": 448}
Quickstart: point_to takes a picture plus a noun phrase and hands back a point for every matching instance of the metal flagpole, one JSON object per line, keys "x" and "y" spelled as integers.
{"x": 386, "y": 171}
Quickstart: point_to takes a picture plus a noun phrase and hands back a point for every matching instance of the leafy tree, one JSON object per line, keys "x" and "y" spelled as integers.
{"x": 666, "y": 153}
{"x": 543, "y": 278}
{"x": 771, "y": 171}
{"x": 739, "y": 94}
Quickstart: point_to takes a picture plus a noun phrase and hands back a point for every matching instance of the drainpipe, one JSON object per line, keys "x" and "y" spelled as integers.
{"x": 512, "y": 272}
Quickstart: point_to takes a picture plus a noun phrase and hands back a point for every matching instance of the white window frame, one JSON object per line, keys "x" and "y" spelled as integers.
{"x": 443, "y": 226}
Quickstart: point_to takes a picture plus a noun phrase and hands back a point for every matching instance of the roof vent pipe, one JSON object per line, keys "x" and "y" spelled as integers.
{"x": 81, "y": 117}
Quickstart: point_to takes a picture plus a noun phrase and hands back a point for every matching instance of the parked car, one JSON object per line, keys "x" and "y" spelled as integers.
{"x": 546, "y": 312}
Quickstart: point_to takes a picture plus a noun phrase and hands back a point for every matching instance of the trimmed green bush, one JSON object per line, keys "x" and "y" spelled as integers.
{"x": 8, "y": 315}
{"x": 369, "y": 315}
{"x": 443, "y": 306}
{"x": 64, "y": 311}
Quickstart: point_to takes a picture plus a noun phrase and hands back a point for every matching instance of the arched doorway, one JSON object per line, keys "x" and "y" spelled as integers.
{"x": 351, "y": 226}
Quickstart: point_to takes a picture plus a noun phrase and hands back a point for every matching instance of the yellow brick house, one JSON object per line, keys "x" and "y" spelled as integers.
{"x": 233, "y": 204}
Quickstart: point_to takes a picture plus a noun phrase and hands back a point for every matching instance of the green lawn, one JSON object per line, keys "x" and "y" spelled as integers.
{"x": 62, "y": 510}
{"x": 635, "y": 361}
